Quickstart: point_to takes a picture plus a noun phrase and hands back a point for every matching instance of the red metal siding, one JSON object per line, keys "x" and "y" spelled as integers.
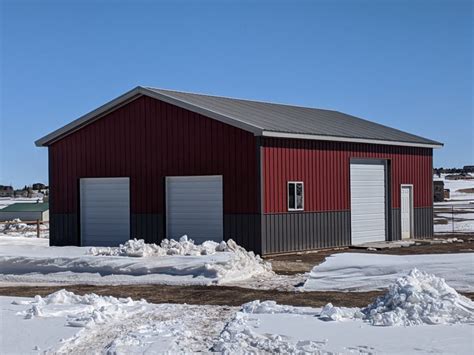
{"x": 147, "y": 140}
{"x": 324, "y": 168}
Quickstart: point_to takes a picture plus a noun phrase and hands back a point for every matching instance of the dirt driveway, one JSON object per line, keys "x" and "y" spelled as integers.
{"x": 212, "y": 295}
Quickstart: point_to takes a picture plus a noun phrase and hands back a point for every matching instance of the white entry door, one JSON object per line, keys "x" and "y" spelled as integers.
{"x": 105, "y": 211}
{"x": 194, "y": 207}
{"x": 406, "y": 211}
{"x": 368, "y": 202}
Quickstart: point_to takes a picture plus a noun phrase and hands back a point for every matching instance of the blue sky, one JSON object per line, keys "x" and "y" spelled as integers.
{"x": 406, "y": 63}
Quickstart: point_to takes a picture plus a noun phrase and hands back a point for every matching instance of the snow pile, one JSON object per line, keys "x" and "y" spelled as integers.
{"x": 81, "y": 311}
{"x": 271, "y": 307}
{"x": 133, "y": 247}
{"x": 14, "y": 225}
{"x": 239, "y": 336}
{"x": 331, "y": 313}
{"x": 420, "y": 298}
{"x": 17, "y": 228}
{"x": 186, "y": 246}
{"x": 241, "y": 266}
{"x": 27, "y": 260}
{"x": 417, "y": 298}
{"x": 138, "y": 248}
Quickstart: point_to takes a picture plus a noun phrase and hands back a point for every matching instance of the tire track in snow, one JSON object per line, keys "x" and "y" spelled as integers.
{"x": 183, "y": 327}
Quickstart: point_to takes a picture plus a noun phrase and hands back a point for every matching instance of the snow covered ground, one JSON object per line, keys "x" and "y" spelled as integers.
{"x": 16, "y": 228}
{"x": 32, "y": 261}
{"x": 365, "y": 272}
{"x": 459, "y": 209}
{"x": 461, "y": 220}
{"x": 421, "y": 314}
{"x": 455, "y": 185}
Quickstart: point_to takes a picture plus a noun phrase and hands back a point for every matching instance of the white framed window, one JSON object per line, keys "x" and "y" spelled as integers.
{"x": 295, "y": 196}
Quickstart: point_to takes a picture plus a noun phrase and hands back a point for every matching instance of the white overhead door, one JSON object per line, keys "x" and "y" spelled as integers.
{"x": 105, "y": 211}
{"x": 194, "y": 207}
{"x": 367, "y": 203}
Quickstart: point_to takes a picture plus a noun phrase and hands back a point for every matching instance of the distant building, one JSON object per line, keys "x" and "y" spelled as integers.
{"x": 25, "y": 212}
{"x": 468, "y": 168}
{"x": 438, "y": 191}
{"x": 6, "y": 191}
{"x": 38, "y": 186}
{"x": 461, "y": 176}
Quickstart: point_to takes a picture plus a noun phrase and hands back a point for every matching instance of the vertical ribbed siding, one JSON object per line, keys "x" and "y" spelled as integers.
{"x": 63, "y": 229}
{"x": 244, "y": 230}
{"x": 324, "y": 168}
{"x": 147, "y": 226}
{"x": 147, "y": 140}
{"x": 286, "y": 232}
{"x": 396, "y": 224}
{"x": 423, "y": 222}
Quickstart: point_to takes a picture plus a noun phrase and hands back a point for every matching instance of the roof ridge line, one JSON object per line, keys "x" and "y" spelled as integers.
{"x": 238, "y": 98}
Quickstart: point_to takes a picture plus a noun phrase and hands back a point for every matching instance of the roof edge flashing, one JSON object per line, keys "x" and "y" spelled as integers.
{"x": 349, "y": 139}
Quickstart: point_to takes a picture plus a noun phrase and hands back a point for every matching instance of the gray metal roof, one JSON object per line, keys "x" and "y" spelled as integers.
{"x": 26, "y": 207}
{"x": 264, "y": 118}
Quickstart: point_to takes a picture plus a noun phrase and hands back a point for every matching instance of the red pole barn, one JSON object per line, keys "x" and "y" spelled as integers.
{"x": 156, "y": 164}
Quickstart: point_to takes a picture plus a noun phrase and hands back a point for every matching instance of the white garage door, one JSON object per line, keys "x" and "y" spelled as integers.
{"x": 194, "y": 206}
{"x": 105, "y": 211}
{"x": 367, "y": 203}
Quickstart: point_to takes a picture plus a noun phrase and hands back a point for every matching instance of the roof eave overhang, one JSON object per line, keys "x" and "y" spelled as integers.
{"x": 130, "y": 96}
{"x": 348, "y": 139}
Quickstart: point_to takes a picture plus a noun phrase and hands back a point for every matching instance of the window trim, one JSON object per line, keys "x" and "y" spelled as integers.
{"x": 288, "y": 196}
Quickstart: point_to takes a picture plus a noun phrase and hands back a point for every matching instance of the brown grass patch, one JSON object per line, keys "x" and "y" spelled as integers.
{"x": 210, "y": 295}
